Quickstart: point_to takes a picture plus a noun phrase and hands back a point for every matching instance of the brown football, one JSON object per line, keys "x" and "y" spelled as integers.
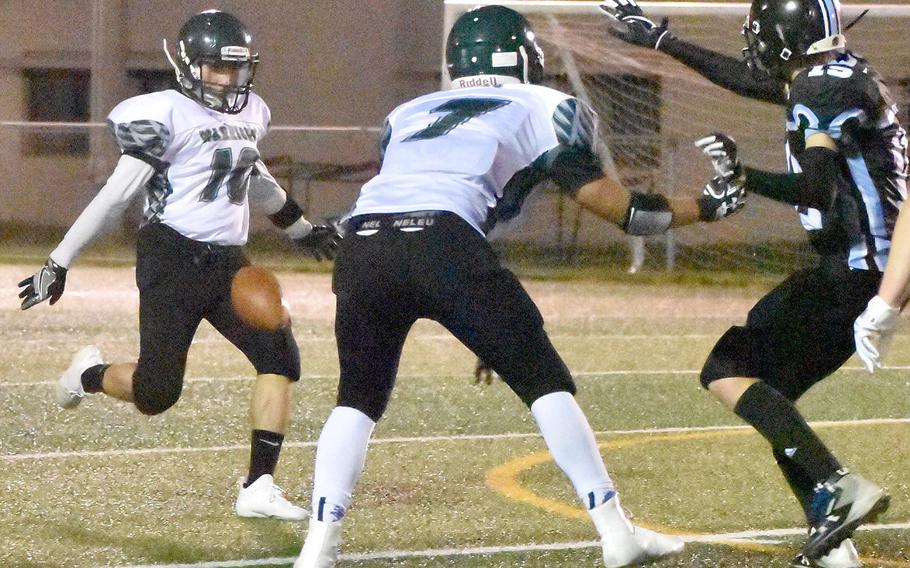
{"x": 256, "y": 297}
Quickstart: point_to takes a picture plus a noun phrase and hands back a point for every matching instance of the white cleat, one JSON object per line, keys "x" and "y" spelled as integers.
{"x": 265, "y": 499}
{"x": 321, "y": 545}
{"x": 844, "y": 556}
{"x": 69, "y": 387}
{"x": 625, "y": 544}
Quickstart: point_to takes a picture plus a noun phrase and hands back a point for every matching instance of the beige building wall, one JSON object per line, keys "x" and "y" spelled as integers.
{"x": 324, "y": 62}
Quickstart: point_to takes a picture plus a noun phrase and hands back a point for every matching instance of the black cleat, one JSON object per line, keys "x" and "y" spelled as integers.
{"x": 839, "y": 506}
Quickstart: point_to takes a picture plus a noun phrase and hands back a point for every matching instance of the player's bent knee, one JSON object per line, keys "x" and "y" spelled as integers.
{"x": 731, "y": 357}
{"x": 153, "y": 405}
{"x": 156, "y": 396}
{"x": 276, "y": 353}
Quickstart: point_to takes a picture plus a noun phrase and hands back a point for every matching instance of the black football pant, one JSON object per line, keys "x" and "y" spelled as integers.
{"x": 394, "y": 269}
{"x": 181, "y": 282}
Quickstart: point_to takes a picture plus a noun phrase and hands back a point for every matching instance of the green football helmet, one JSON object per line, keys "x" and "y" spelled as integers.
{"x": 780, "y": 31}
{"x": 221, "y": 41}
{"x": 494, "y": 40}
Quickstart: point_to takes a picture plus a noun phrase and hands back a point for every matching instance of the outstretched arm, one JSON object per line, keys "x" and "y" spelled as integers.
{"x": 319, "y": 241}
{"x": 639, "y": 213}
{"x": 130, "y": 175}
{"x": 105, "y": 210}
{"x": 632, "y": 26}
{"x": 815, "y": 187}
{"x": 724, "y": 71}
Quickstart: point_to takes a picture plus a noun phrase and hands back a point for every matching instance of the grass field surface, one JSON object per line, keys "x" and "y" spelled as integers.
{"x": 456, "y": 475}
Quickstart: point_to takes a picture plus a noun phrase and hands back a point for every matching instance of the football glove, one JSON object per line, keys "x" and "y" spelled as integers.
{"x": 637, "y": 29}
{"x": 47, "y": 283}
{"x": 722, "y": 197}
{"x": 321, "y": 242}
{"x": 722, "y": 151}
{"x": 873, "y": 331}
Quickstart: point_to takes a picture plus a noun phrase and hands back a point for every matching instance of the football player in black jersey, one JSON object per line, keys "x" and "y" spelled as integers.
{"x": 848, "y": 164}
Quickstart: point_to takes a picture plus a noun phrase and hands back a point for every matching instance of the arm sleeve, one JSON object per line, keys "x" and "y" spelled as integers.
{"x": 130, "y": 175}
{"x": 267, "y": 195}
{"x": 265, "y": 192}
{"x": 725, "y": 71}
{"x": 814, "y": 187}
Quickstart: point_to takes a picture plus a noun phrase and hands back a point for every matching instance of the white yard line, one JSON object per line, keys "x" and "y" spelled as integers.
{"x": 418, "y": 440}
{"x": 615, "y": 373}
{"x": 767, "y": 536}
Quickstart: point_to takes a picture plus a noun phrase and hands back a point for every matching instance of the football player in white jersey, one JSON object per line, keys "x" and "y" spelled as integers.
{"x": 193, "y": 153}
{"x": 453, "y": 163}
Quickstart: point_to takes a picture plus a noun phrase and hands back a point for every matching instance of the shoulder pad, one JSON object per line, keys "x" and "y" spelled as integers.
{"x": 142, "y": 126}
{"x": 823, "y": 95}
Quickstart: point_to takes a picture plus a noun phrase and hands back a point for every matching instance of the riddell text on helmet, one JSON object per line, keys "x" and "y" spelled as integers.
{"x": 478, "y": 81}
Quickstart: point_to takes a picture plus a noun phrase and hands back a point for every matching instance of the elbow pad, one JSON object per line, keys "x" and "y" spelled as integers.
{"x": 648, "y": 214}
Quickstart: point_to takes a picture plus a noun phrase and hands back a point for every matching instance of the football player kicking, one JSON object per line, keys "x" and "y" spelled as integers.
{"x": 847, "y": 155}
{"x": 453, "y": 163}
{"x": 193, "y": 153}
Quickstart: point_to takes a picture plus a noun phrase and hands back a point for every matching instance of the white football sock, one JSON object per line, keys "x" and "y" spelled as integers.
{"x": 570, "y": 439}
{"x": 340, "y": 457}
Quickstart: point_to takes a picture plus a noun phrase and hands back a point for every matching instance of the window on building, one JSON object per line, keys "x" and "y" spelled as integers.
{"x": 57, "y": 95}
{"x": 150, "y": 80}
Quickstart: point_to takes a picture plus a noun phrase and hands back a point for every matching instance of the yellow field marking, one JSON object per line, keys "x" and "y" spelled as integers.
{"x": 504, "y": 480}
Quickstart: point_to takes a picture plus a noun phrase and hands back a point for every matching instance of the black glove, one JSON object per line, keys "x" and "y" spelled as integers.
{"x": 722, "y": 197}
{"x": 48, "y": 282}
{"x": 321, "y": 242}
{"x": 722, "y": 151}
{"x": 637, "y": 28}
{"x": 483, "y": 373}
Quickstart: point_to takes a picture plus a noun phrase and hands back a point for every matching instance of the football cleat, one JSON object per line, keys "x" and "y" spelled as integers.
{"x": 838, "y": 507}
{"x": 265, "y": 499}
{"x": 844, "y": 556}
{"x": 69, "y": 387}
{"x": 623, "y": 543}
{"x": 321, "y": 545}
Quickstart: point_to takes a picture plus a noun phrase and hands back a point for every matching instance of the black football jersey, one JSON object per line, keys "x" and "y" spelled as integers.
{"x": 847, "y": 100}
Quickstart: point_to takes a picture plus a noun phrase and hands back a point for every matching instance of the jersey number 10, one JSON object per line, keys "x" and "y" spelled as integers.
{"x": 238, "y": 177}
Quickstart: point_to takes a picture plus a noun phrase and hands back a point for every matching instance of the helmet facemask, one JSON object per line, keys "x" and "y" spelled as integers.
{"x": 214, "y": 64}
{"x": 757, "y": 52}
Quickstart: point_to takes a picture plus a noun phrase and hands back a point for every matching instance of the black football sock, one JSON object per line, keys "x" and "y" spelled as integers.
{"x": 91, "y": 378}
{"x": 777, "y": 419}
{"x": 800, "y": 484}
{"x": 264, "y": 449}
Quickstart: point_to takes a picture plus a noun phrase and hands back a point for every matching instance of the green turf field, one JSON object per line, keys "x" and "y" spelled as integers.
{"x": 457, "y": 476}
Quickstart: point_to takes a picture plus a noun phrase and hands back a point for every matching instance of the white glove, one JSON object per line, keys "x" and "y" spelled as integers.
{"x": 873, "y": 331}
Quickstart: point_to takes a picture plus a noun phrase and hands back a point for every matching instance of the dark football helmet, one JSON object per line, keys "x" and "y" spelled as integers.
{"x": 494, "y": 40}
{"x": 221, "y": 41}
{"x": 780, "y": 31}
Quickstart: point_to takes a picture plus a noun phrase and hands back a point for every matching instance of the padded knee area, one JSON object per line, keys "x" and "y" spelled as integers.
{"x": 153, "y": 397}
{"x": 275, "y": 353}
{"x": 732, "y": 356}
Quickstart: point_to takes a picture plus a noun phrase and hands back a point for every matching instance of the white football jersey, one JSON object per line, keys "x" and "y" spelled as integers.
{"x": 203, "y": 160}
{"x": 457, "y": 150}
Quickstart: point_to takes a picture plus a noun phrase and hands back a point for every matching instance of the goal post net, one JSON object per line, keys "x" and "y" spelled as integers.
{"x": 653, "y": 108}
